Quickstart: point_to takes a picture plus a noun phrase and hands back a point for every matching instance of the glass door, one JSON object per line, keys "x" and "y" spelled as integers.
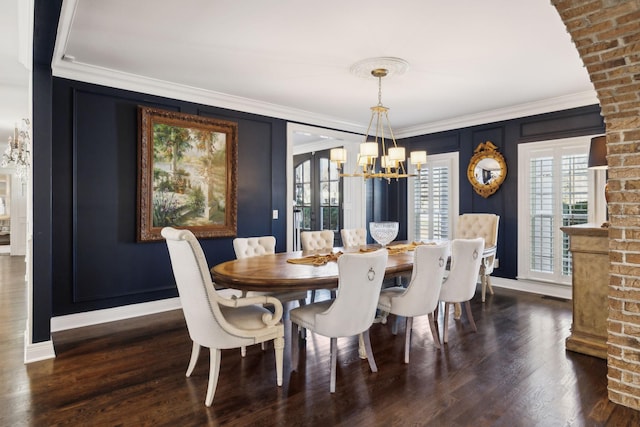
{"x": 318, "y": 194}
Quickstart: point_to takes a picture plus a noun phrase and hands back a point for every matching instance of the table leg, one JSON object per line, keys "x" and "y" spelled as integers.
{"x": 362, "y": 351}
{"x": 457, "y": 311}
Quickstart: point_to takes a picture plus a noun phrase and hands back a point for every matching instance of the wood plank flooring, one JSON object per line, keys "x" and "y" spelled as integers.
{"x": 513, "y": 372}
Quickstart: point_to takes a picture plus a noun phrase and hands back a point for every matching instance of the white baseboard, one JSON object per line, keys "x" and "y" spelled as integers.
{"x": 542, "y": 288}
{"x": 38, "y": 351}
{"x": 78, "y": 320}
{"x": 44, "y": 350}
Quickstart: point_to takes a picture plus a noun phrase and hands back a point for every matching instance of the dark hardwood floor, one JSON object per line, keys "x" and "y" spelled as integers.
{"x": 513, "y": 372}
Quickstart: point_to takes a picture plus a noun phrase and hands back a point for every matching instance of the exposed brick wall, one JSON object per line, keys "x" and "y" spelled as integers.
{"x": 607, "y": 35}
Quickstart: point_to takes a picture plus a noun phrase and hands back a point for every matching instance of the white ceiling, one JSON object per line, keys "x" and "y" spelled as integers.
{"x": 470, "y": 61}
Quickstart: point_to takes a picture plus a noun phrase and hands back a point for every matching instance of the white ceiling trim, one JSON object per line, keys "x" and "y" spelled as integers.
{"x": 66, "y": 68}
{"x": 539, "y": 107}
{"x": 102, "y": 76}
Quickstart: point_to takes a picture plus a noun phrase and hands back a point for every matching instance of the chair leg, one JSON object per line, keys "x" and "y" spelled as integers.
{"x": 313, "y": 296}
{"x": 214, "y": 370}
{"x": 483, "y": 281}
{"x": 407, "y": 338}
{"x": 367, "y": 346}
{"x": 394, "y": 325}
{"x": 195, "y": 352}
{"x": 295, "y": 346}
{"x": 334, "y": 354}
{"x": 470, "y": 316}
{"x": 362, "y": 351}
{"x": 434, "y": 330}
{"x": 445, "y": 332}
{"x": 278, "y": 345}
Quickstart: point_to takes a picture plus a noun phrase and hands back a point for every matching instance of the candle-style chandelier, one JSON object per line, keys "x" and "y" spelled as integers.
{"x": 18, "y": 152}
{"x": 393, "y": 157}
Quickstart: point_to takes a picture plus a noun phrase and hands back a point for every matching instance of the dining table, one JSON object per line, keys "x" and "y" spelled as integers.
{"x": 308, "y": 270}
{"x": 300, "y": 270}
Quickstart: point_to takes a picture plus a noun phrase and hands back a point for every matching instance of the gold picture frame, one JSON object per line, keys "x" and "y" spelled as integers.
{"x": 187, "y": 174}
{"x": 487, "y": 169}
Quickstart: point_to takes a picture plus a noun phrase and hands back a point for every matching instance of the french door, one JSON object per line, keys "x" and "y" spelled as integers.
{"x": 318, "y": 194}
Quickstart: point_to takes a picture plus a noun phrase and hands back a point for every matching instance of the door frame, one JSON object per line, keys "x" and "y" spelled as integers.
{"x": 354, "y": 194}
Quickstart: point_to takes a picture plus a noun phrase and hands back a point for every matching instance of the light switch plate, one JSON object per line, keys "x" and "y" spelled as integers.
{"x": 274, "y": 214}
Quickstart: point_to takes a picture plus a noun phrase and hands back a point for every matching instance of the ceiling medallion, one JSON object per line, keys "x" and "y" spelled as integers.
{"x": 394, "y": 66}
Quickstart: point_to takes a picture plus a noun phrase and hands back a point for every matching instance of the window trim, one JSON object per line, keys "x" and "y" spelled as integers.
{"x": 595, "y": 199}
{"x": 451, "y": 160}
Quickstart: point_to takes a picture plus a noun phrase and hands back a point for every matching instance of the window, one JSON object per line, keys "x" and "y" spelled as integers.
{"x": 555, "y": 189}
{"x": 433, "y": 198}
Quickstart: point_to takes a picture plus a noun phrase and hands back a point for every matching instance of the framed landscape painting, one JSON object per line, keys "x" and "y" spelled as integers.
{"x": 187, "y": 174}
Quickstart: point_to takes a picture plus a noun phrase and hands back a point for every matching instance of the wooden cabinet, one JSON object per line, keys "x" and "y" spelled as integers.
{"x": 589, "y": 246}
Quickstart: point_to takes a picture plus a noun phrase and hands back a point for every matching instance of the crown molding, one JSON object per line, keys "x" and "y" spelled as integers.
{"x": 67, "y": 67}
{"x": 549, "y": 105}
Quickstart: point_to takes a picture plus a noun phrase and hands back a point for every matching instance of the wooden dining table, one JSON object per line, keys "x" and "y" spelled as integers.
{"x": 274, "y": 272}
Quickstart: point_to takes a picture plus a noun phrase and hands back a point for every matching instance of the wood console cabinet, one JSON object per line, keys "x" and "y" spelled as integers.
{"x": 589, "y": 246}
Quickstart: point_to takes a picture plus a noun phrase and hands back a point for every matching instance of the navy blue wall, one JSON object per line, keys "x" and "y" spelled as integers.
{"x": 507, "y": 135}
{"x": 97, "y": 261}
{"x": 45, "y": 25}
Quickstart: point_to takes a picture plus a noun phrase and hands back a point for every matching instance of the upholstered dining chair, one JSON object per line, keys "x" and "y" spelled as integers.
{"x": 316, "y": 240}
{"x": 247, "y": 247}
{"x": 460, "y": 284}
{"x": 215, "y": 322}
{"x": 421, "y": 296}
{"x": 353, "y": 237}
{"x": 483, "y": 225}
{"x": 352, "y": 311}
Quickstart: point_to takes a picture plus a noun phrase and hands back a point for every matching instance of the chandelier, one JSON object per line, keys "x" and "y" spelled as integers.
{"x": 18, "y": 152}
{"x": 391, "y": 165}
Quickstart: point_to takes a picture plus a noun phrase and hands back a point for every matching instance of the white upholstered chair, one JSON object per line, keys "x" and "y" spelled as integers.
{"x": 352, "y": 311}
{"x": 353, "y": 237}
{"x": 460, "y": 285}
{"x": 215, "y": 322}
{"x": 247, "y": 247}
{"x": 483, "y": 225}
{"x": 421, "y": 296}
{"x": 316, "y": 240}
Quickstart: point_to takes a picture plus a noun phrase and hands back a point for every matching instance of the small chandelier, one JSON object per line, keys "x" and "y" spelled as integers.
{"x": 393, "y": 157}
{"x": 18, "y": 153}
